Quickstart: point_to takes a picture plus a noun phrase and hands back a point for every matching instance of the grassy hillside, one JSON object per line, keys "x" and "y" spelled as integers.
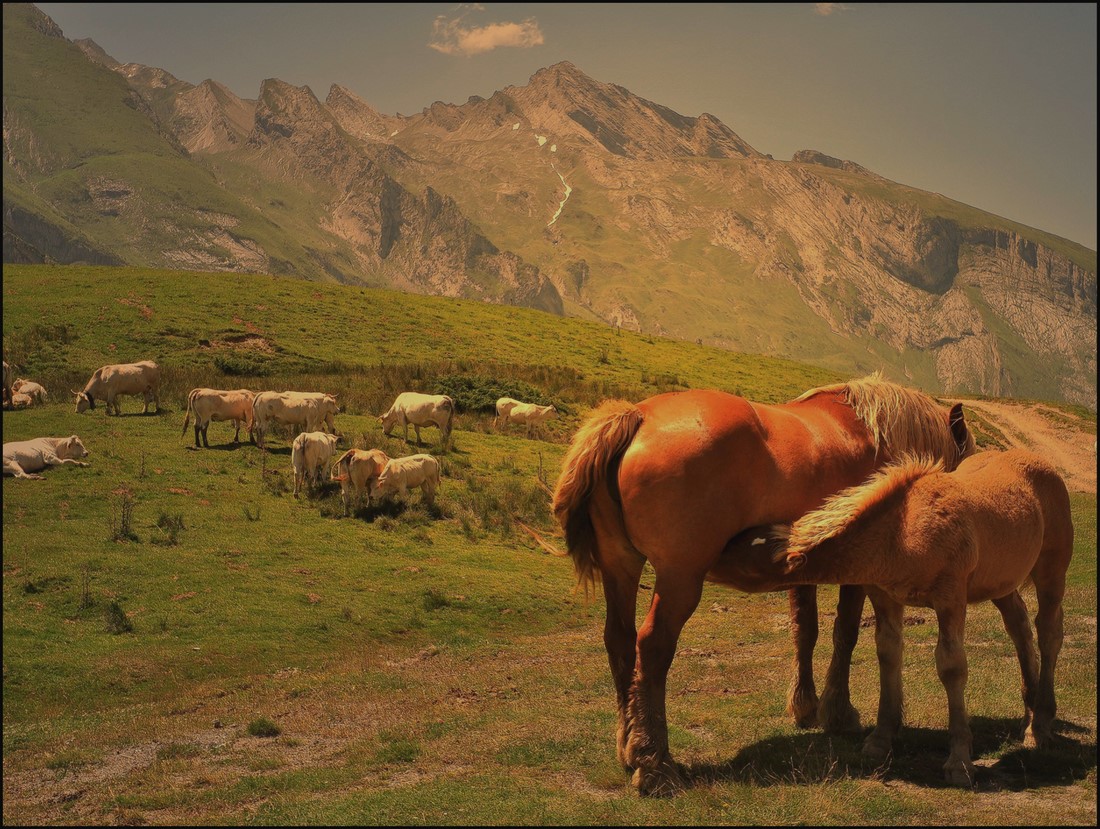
{"x": 186, "y": 643}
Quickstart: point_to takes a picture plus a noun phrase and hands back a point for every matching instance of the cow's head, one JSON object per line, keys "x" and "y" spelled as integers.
{"x": 388, "y": 421}
{"x": 84, "y": 401}
{"x": 71, "y": 447}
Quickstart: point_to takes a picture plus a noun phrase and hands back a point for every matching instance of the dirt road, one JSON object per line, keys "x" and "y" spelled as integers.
{"x": 1065, "y": 439}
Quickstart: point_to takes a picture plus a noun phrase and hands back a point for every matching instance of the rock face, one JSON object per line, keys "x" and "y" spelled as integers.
{"x": 563, "y": 193}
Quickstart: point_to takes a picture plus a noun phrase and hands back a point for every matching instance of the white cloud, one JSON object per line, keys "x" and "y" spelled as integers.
{"x": 451, "y": 35}
{"x": 825, "y": 9}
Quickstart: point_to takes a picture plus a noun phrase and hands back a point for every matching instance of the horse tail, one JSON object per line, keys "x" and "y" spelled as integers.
{"x": 848, "y": 508}
{"x": 598, "y": 444}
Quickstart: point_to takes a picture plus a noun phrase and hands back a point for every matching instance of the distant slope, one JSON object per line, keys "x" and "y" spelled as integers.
{"x": 567, "y": 194}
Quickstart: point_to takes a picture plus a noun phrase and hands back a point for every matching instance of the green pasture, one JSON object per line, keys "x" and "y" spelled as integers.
{"x": 166, "y": 607}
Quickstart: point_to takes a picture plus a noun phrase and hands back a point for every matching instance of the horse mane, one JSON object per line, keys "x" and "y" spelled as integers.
{"x": 901, "y": 420}
{"x": 846, "y": 507}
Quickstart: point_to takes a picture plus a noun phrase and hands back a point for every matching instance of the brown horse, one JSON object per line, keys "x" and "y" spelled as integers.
{"x": 921, "y": 537}
{"x": 674, "y": 478}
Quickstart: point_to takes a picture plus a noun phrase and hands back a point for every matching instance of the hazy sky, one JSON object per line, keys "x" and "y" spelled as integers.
{"x": 991, "y": 104}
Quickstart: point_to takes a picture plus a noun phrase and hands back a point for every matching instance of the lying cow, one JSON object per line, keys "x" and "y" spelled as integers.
{"x": 420, "y": 410}
{"x": 302, "y": 411}
{"x": 208, "y": 405}
{"x": 356, "y": 470}
{"x": 33, "y": 390}
{"x": 531, "y": 415}
{"x": 110, "y": 382}
{"x": 20, "y": 401}
{"x": 25, "y": 457}
{"x": 403, "y": 474}
{"x": 310, "y": 456}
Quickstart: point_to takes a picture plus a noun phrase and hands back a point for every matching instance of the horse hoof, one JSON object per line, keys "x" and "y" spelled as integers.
{"x": 875, "y": 749}
{"x": 844, "y": 720}
{"x": 665, "y": 780}
{"x": 957, "y": 773}
{"x": 804, "y": 710}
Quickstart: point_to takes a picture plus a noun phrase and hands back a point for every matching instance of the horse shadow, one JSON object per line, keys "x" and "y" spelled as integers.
{"x": 917, "y": 758}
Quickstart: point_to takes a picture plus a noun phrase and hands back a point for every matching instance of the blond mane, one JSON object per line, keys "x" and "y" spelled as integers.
{"x": 842, "y": 509}
{"x": 901, "y": 420}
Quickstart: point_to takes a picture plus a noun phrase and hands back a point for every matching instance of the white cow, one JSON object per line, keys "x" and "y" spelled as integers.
{"x": 310, "y": 455}
{"x": 109, "y": 382}
{"x": 20, "y": 401}
{"x": 504, "y": 406}
{"x": 304, "y": 411}
{"x": 24, "y": 457}
{"x": 420, "y": 410}
{"x": 531, "y": 414}
{"x": 31, "y": 389}
{"x": 208, "y": 405}
{"x": 403, "y": 474}
{"x": 356, "y": 471}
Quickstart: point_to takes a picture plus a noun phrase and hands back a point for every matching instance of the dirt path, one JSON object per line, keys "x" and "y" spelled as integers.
{"x": 1059, "y": 436}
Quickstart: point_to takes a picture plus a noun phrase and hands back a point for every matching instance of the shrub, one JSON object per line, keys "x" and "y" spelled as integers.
{"x": 472, "y": 393}
{"x": 263, "y": 727}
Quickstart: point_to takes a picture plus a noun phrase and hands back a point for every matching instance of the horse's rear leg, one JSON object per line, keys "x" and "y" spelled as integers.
{"x": 1014, "y": 613}
{"x": 675, "y": 597}
{"x": 802, "y": 694}
{"x": 1049, "y": 576}
{"x": 620, "y": 566}
{"x": 620, "y": 636}
{"x": 835, "y": 711}
{"x": 888, "y": 645}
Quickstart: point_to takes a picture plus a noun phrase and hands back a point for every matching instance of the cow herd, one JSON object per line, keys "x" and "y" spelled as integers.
{"x": 308, "y": 415}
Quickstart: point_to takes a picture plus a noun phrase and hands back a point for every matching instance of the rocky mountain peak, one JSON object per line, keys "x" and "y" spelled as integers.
{"x": 96, "y": 53}
{"x": 822, "y": 160}
{"x": 563, "y": 101}
{"x": 358, "y": 117}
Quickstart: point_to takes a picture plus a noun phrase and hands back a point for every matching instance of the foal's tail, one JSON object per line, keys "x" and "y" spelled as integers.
{"x": 596, "y": 448}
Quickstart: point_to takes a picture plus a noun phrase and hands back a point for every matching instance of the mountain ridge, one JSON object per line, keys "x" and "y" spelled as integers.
{"x": 576, "y": 196}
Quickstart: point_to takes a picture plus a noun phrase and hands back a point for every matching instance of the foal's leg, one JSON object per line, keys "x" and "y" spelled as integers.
{"x": 1014, "y": 613}
{"x": 675, "y": 597}
{"x": 835, "y": 711}
{"x": 951, "y": 666}
{"x": 802, "y": 694}
{"x": 1050, "y": 588}
{"x": 888, "y": 644}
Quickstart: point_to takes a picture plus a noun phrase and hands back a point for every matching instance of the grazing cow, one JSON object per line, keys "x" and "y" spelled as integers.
{"x": 531, "y": 414}
{"x": 214, "y": 404}
{"x": 304, "y": 411}
{"x": 402, "y": 474}
{"x": 25, "y": 457}
{"x": 110, "y": 382}
{"x": 420, "y": 410}
{"x": 31, "y": 389}
{"x": 356, "y": 471}
{"x": 310, "y": 455}
{"x": 504, "y": 406}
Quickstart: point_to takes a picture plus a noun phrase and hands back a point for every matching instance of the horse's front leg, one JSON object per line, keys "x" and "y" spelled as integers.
{"x": 951, "y": 667}
{"x": 675, "y": 597}
{"x": 835, "y": 711}
{"x": 888, "y": 645}
{"x": 802, "y": 695}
